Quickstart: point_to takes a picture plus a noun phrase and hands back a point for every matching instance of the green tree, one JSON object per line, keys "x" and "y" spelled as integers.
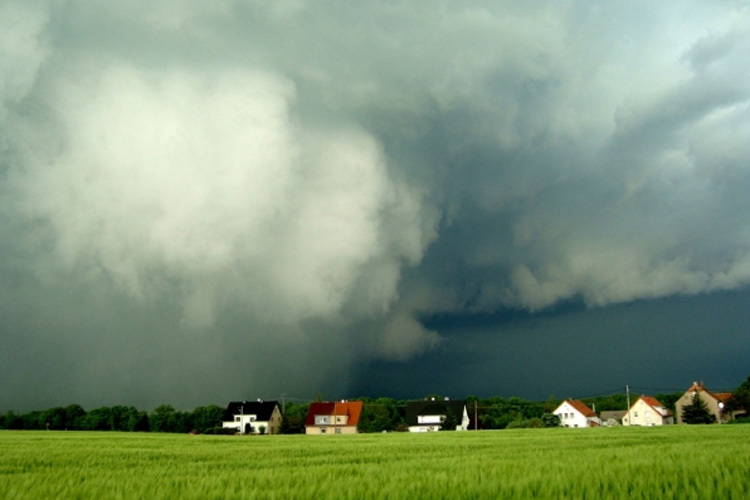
{"x": 740, "y": 399}
{"x": 697, "y": 412}
{"x": 98, "y": 419}
{"x": 293, "y": 421}
{"x": 162, "y": 419}
{"x": 550, "y": 420}
{"x": 449, "y": 422}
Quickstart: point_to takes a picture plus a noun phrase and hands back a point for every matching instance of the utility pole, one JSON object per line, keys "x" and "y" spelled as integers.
{"x": 475, "y": 414}
{"x": 627, "y": 395}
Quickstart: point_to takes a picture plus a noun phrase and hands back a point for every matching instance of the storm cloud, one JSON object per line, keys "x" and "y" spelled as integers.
{"x": 202, "y": 203}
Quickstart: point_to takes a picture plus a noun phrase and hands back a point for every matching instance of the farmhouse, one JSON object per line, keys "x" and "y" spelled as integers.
{"x": 716, "y": 402}
{"x": 333, "y": 418}
{"x": 574, "y": 413}
{"x": 253, "y": 417}
{"x": 648, "y": 411}
{"x": 426, "y": 416}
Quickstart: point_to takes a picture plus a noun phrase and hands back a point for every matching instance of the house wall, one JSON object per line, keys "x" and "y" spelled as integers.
{"x": 330, "y": 429}
{"x": 643, "y": 414}
{"x": 424, "y": 428}
{"x": 275, "y": 423}
{"x": 570, "y": 417}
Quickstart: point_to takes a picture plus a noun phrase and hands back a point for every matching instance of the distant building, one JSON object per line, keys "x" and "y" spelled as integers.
{"x": 716, "y": 402}
{"x": 574, "y": 413}
{"x": 426, "y": 416}
{"x": 333, "y": 418}
{"x": 611, "y": 418}
{"x": 648, "y": 411}
{"x": 253, "y": 417}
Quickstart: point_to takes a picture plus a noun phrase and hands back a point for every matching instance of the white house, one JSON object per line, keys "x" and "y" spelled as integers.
{"x": 574, "y": 413}
{"x": 648, "y": 411}
{"x": 426, "y": 416}
{"x": 253, "y": 417}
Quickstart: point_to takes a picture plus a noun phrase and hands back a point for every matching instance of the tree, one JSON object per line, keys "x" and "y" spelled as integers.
{"x": 740, "y": 399}
{"x": 450, "y": 422}
{"x": 162, "y": 419}
{"x": 550, "y": 420}
{"x": 697, "y": 412}
{"x": 294, "y": 418}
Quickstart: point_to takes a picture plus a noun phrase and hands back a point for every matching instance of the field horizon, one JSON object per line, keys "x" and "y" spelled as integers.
{"x": 666, "y": 462}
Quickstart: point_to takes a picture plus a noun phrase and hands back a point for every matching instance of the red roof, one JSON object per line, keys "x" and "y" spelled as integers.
{"x": 581, "y": 408}
{"x": 718, "y": 396}
{"x": 351, "y": 408}
{"x": 656, "y": 405}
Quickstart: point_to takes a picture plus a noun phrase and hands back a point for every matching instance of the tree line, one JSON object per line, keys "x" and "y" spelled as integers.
{"x": 378, "y": 414}
{"x": 164, "y": 418}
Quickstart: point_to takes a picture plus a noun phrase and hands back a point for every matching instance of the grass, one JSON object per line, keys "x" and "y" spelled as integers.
{"x": 666, "y": 463}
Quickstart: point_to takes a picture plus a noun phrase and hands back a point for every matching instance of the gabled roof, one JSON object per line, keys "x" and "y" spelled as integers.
{"x": 718, "y": 396}
{"x": 261, "y": 409}
{"x": 656, "y": 405}
{"x": 580, "y": 407}
{"x": 416, "y": 409}
{"x": 351, "y": 408}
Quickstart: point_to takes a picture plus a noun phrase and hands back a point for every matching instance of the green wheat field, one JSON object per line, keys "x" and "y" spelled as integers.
{"x": 676, "y": 462}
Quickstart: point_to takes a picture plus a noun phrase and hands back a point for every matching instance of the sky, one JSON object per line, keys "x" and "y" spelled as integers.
{"x": 204, "y": 202}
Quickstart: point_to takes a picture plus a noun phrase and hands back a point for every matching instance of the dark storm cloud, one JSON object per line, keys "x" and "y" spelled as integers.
{"x": 260, "y": 196}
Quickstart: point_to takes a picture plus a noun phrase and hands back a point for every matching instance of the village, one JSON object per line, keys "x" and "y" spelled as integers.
{"x": 432, "y": 414}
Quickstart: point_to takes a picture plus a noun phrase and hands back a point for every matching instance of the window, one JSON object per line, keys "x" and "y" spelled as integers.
{"x": 236, "y": 418}
{"x": 323, "y": 430}
{"x": 338, "y": 430}
{"x": 635, "y": 414}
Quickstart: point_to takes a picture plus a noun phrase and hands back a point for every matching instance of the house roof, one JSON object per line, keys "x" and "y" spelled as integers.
{"x": 718, "y": 396}
{"x": 656, "y": 405}
{"x": 615, "y": 414}
{"x": 351, "y": 408}
{"x": 261, "y": 409}
{"x": 416, "y": 409}
{"x": 580, "y": 407}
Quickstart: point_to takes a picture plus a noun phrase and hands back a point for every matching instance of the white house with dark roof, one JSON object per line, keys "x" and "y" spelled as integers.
{"x": 574, "y": 413}
{"x": 253, "y": 417}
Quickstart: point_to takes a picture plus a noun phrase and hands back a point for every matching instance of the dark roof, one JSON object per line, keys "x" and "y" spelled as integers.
{"x": 351, "y": 408}
{"x": 262, "y": 409}
{"x": 414, "y": 409}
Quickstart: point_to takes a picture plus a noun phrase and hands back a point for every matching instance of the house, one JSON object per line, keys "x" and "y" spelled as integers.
{"x": 426, "y": 416}
{"x": 253, "y": 417}
{"x": 611, "y": 418}
{"x": 574, "y": 413}
{"x": 716, "y": 402}
{"x": 333, "y": 418}
{"x": 648, "y": 411}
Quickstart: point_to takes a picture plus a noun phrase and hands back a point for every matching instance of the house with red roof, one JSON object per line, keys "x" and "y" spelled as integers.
{"x": 575, "y": 413}
{"x": 648, "y": 411}
{"x": 333, "y": 418}
{"x": 716, "y": 402}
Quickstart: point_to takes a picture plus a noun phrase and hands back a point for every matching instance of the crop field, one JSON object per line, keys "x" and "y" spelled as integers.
{"x": 679, "y": 462}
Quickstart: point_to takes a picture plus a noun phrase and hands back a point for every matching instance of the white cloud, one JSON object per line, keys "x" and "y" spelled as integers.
{"x": 167, "y": 175}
